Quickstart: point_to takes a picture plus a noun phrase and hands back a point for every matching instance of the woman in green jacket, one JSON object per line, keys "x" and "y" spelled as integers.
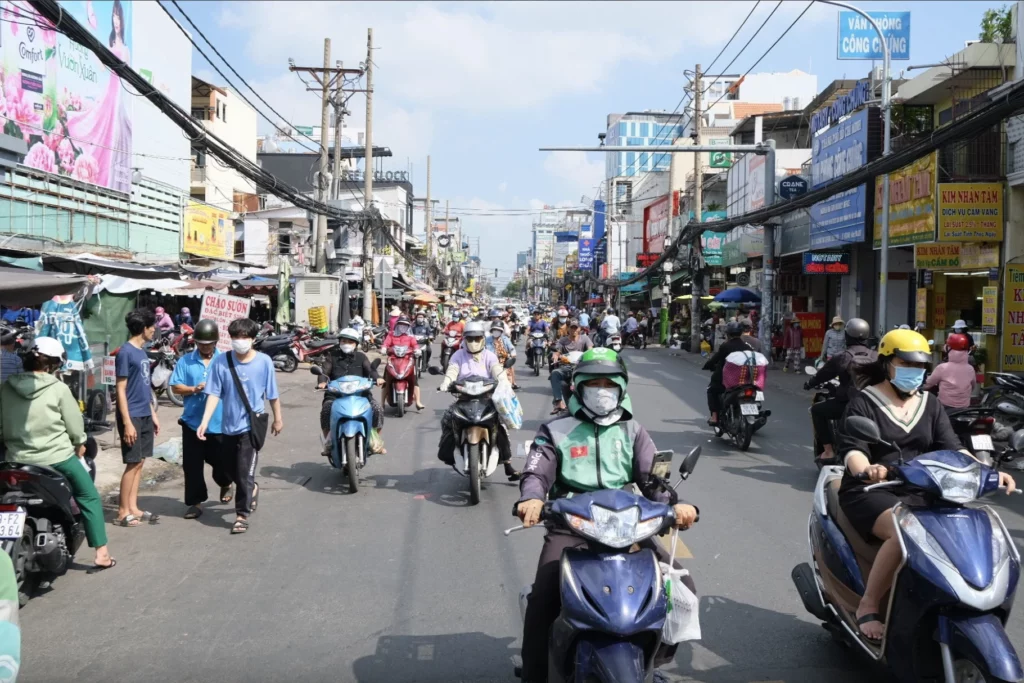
{"x": 40, "y": 423}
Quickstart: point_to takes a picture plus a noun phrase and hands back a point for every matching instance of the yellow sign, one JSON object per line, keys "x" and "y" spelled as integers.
{"x": 1013, "y": 318}
{"x": 922, "y": 305}
{"x": 955, "y": 256}
{"x": 208, "y": 231}
{"x": 990, "y": 310}
{"x": 911, "y": 203}
{"x": 979, "y": 255}
{"x": 970, "y": 212}
{"x": 559, "y": 272}
{"x": 317, "y": 317}
{"x": 939, "y": 311}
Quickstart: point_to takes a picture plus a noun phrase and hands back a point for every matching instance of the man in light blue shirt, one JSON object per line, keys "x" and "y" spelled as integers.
{"x": 189, "y": 381}
{"x": 256, "y": 376}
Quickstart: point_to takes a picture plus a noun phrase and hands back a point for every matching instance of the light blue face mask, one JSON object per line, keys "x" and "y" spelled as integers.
{"x": 908, "y": 379}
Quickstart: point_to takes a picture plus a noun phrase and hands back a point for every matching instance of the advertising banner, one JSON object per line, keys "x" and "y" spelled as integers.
{"x": 586, "y": 253}
{"x": 921, "y": 306}
{"x": 794, "y": 233}
{"x": 836, "y": 152}
{"x": 936, "y": 256}
{"x": 939, "y": 311}
{"x": 108, "y": 376}
{"x": 858, "y": 39}
{"x": 970, "y": 212}
{"x": 826, "y": 263}
{"x": 1013, "y": 318}
{"x": 72, "y": 112}
{"x": 656, "y": 218}
{"x": 223, "y": 309}
{"x": 207, "y": 231}
{"x": 711, "y": 246}
{"x": 990, "y": 310}
{"x": 911, "y": 203}
{"x": 755, "y": 180}
{"x": 813, "y": 325}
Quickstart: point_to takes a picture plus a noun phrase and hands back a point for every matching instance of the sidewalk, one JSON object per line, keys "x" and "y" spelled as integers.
{"x": 788, "y": 382}
{"x": 109, "y": 466}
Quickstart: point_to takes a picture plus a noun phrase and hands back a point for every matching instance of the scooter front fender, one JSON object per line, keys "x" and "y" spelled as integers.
{"x": 984, "y": 640}
{"x": 610, "y": 661}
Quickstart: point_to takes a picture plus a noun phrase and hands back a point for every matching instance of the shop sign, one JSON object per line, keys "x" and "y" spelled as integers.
{"x": 109, "y": 371}
{"x": 720, "y": 159}
{"x": 921, "y": 305}
{"x": 207, "y": 231}
{"x": 813, "y": 326}
{"x": 741, "y": 244}
{"x": 977, "y": 255}
{"x": 826, "y": 263}
{"x": 223, "y": 309}
{"x": 711, "y": 245}
{"x": 792, "y": 186}
{"x": 755, "y": 180}
{"x": 645, "y": 259}
{"x": 794, "y": 233}
{"x": 939, "y": 311}
{"x": 970, "y": 212}
{"x": 911, "y": 203}
{"x": 656, "y": 217}
{"x": 848, "y": 103}
{"x": 858, "y": 38}
{"x": 1013, "y": 318}
{"x": 926, "y": 278}
{"x": 937, "y": 256}
{"x": 836, "y": 152}
{"x": 990, "y": 310}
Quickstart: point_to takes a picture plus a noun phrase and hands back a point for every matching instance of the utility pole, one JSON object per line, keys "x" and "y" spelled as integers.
{"x": 368, "y": 188}
{"x": 339, "y": 123}
{"x": 696, "y": 256}
{"x": 429, "y": 216}
{"x": 768, "y": 286}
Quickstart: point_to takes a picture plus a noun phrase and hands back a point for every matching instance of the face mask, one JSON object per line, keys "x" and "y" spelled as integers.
{"x": 421, "y": 321}
{"x": 241, "y": 346}
{"x": 600, "y": 400}
{"x": 561, "y": 319}
{"x": 495, "y": 333}
{"x": 348, "y": 348}
{"x": 475, "y": 345}
{"x": 400, "y": 331}
{"x": 908, "y": 379}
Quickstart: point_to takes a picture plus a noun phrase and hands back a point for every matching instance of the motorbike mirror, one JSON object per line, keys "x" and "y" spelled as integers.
{"x": 434, "y": 370}
{"x": 509, "y": 362}
{"x": 862, "y": 428}
{"x": 316, "y": 370}
{"x": 376, "y": 364}
{"x": 689, "y": 463}
{"x": 809, "y": 370}
{"x": 1017, "y": 440}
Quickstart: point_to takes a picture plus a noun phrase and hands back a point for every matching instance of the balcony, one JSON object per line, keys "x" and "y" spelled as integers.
{"x": 198, "y": 175}
{"x": 977, "y": 159}
{"x": 203, "y": 113}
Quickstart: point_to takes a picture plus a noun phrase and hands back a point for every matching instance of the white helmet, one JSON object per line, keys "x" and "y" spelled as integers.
{"x": 50, "y": 347}
{"x": 350, "y": 334}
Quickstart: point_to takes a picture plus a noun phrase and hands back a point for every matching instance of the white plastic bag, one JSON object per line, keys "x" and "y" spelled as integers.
{"x": 510, "y": 412}
{"x": 159, "y": 375}
{"x": 169, "y": 451}
{"x": 682, "y": 621}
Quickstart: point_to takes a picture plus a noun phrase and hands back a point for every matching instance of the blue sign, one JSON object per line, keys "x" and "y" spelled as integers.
{"x": 836, "y": 152}
{"x": 792, "y": 186}
{"x": 586, "y": 254}
{"x": 843, "y": 106}
{"x": 637, "y": 286}
{"x": 600, "y": 252}
{"x": 858, "y": 39}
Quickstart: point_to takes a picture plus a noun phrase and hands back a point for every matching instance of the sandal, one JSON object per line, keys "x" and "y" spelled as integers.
{"x": 97, "y": 568}
{"x": 128, "y": 520}
{"x": 255, "y": 499}
{"x": 149, "y": 517}
{"x": 239, "y": 527}
{"x": 511, "y": 472}
{"x": 193, "y": 512}
{"x": 867, "y": 619}
{"x": 225, "y": 494}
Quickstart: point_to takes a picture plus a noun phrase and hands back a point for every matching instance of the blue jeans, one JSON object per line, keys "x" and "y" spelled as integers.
{"x": 558, "y": 375}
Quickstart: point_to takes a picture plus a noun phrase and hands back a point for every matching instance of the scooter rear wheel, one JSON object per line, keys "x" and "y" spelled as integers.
{"x": 20, "y": 557}
{"x": 175, "y": 399}
{"x": 289, "y": 364}
{"x": 352, "y": 463}
{"x": 474, "y": 451}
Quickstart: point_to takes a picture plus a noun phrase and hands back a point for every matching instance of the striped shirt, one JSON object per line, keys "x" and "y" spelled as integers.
{"x": 10, "y": 364}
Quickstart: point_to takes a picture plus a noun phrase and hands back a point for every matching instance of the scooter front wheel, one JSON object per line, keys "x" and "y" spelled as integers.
{"x": 474, "y": 453}
{"x": 352, "y": 463}
{"x": 289, "y": 364}
{"x": 400, "y": 405}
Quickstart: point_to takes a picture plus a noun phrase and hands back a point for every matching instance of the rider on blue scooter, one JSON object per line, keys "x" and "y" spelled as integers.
{"x": 344, "y": 361}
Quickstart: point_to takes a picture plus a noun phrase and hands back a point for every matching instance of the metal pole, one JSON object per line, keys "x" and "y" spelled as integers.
{"x": 429, "y": 216}
{"x": 368, "y": 191}
{"x": 321, "y": 220}
{"x": 696, "y": 274}
{"x": 768, "y": 289}
{"x": 883, "y": 277}
{"x": 664, "y": 149}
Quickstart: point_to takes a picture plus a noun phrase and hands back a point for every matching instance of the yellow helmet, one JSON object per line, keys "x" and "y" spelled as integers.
{"x": 907, "y": 345}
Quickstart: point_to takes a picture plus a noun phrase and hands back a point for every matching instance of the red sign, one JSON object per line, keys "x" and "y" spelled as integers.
{"x": 656, "y": 219}
{"x": 813, "y": 326}
{"x": 644, "y": 260}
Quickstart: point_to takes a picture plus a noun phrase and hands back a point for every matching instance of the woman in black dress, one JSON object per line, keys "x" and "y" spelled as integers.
{"x": 909, "y": 418}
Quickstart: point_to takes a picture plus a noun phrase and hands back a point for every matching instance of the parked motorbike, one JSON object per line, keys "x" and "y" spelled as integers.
{"x": 422, "y": 341}
{"x": 952, "y": 595}
{"x": 305, "y": 349}
{"x": 373, "y": 337}
{"x": 450, "y": 344}
{"x": 614, "y": 601}
{"x": 41, "y": 525}
{"x": 742, "y": 414}
{"x": 974, "y": 428}
{"x": 351, "y": 421}
{"x": 823, "y": 392}
{"x": 537, "y": 350}
{"x": 401, "y": 363}
{"x": 1007, "y": 395}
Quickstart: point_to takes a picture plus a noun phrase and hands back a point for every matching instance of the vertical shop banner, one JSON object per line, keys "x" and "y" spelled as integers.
{"x": 990, "y": 310}
{"x": 911, "y": 203}
{"x": 1013, "y": 318}
{"x": 208, "y": 231}
{"x": 71, "y": 111}
{"x": 970, "y": 212}
{"x": 756, "y": 180}
{"x": 222, "y": 309}
{"x": 656, "y": 219}
{"x": 835, "y": 152}
{"x": 939, "y": 311}
{"x": 921, "y": 306}
{"x": 813, "y": 326}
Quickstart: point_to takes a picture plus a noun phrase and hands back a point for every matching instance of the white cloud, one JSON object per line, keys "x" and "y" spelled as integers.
{"x": 502, "y": 186}
{"x": 578, "y": 173}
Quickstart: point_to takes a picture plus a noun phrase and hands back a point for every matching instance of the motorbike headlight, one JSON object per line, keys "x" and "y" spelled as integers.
{"x": 473, "y": 388}
{"x": 915, "y": 531}
{"x": 615, "y": 529}
{"x": 348, "y": 387}
{"x": 958, "y": 486}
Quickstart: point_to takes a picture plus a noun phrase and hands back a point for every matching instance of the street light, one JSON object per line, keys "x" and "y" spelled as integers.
{"x": 883, "y": 280}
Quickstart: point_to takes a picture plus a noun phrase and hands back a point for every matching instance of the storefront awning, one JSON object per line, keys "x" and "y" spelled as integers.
{"x": 19, "y": 287}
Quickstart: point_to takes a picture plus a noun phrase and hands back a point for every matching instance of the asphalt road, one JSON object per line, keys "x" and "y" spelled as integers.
{"x": 404, "y": 581}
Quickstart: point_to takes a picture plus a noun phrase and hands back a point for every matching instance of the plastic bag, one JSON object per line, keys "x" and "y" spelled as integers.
{"x": 160, "y": 374}
{"x": 682, "y": 620}
{"x": 376, "y": 442}
{"x": 510, "y": 412}
{"x": 169, "y": 451}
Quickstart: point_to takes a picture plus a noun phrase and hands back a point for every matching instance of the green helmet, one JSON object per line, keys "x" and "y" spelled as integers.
{"x": 599, "y": 362}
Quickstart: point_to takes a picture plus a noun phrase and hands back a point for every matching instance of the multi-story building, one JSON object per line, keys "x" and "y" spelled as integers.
{"x": 522, "y": 258}
{"x": 230, "y": 118}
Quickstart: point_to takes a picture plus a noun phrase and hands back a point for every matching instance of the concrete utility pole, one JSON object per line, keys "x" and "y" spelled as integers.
{"x": 368, "y": 187}
{"x": 768, "y": 288}
{"x": 339, "y": 123}
{"x": 696, "y": 273}
{"x": 429, "y": 216}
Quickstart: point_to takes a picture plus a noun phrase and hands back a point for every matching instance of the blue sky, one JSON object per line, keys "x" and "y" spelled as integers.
{"x": 480, "y": 86}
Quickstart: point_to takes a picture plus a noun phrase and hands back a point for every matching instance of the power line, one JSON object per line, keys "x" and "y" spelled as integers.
{"x": 745, "y": 46}
{"x": 735, "y": 33}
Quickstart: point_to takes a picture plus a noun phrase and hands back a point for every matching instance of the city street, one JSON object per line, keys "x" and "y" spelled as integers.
{"x": 404, "y": 581}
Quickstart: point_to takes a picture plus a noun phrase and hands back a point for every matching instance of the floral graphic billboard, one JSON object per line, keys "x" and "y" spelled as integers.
{"x": 73, "y": 112}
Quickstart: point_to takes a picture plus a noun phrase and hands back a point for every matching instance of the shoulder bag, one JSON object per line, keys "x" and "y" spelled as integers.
{"x": 258, "y": 422}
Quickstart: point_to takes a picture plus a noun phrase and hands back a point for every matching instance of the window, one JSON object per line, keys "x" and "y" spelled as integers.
{"x": 240, "y": 240}
{"x": 644, "y": 157}
{"x": 630, "y": 159}
{"x": 224, "y": 113}
{"x": 645, "y": 130}
{"x": 632, "y": 128}
{"x": 284, "y": 237}
{"x": 218, "y": 109}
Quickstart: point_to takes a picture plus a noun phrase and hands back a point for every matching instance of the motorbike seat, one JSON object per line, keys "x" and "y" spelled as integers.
{"x": 320, "y": 343}
{"x": 864, "y": 549}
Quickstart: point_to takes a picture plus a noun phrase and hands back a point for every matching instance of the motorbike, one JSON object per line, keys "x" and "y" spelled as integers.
{"x": 823, "y": 392}
{"x": 162, "y": 360}
{"x": 351, "y": 421}
{"x": 304, "y": 349}
{"x": 742, "y": 414}
{"x": 568, "y": 362}
{"x": 373, "y": 337}
{"x": 449, "y": 345}
{"x": 952, "y": 595}
{"x": 614, "y": 342}
{"x": 614, "y": 601}
{"x": 41, "y": 526}
{"x": 181, "y": 341}
{"x": 476, "y": 425}
{"x": 421, "y": 359}
{"x": 537, "y": 350}
{"x": 401, "y": 362}
{"x": 635, "y": 339}
{"x": 974, "y": 428}
{"x": 1007, "y": 395}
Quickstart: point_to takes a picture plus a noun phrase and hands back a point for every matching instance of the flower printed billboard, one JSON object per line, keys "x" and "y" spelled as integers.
{"x": 73, "y": 112}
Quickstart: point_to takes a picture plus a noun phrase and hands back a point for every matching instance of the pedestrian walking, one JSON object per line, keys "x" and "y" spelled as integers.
{"x": 835, "y": 339}
{"x": 793, "y": 343}
{"x": 189, "y": 381}
{"x": 137, "y": 424}
{"x": 243, "y": 380}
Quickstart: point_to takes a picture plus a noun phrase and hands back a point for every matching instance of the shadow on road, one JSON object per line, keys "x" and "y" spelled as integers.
{"x": 800, "y": 479}
{"x": 438, "y": 485}
{"x": 452, "y": 657}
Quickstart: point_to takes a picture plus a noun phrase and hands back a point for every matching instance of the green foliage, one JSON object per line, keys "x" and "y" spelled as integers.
{"x": 997, "y": 24}
{"x": 512, "y": 289}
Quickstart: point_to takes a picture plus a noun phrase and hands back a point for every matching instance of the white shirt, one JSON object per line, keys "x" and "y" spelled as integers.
{"x": 610, "y": 324}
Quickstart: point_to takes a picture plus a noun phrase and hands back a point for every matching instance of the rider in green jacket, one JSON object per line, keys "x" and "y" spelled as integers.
{"x": 597, "y": 446}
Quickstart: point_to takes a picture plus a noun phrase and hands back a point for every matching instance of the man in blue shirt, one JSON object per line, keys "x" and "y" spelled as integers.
{"x": 136, "y": 422}
{"x": 256, "y": 375}
{"x": 189, "y": 380}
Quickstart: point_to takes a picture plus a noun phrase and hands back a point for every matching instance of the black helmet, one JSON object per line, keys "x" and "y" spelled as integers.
{"x": 205, "y": 332}
{"x": 857, "y": 330}
{"x": 733, "y": 329}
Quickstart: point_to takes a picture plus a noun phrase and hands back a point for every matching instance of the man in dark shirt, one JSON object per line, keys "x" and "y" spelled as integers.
{"x": 347, "y": 361}
{"x": 716, "y": 388}
{"x": 574, "y": 340}
{"x": 421, "y": 328}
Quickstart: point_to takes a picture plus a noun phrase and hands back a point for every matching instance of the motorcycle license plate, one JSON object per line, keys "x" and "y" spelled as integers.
{"x": 981, "y": 442}
{"x": 760, "y": 397}
{"x": 749, "y": 409}
{"x": 12, "y": 524}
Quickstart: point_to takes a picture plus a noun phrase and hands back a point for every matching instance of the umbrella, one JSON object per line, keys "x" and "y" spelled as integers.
{"x": 425, "y": 298}
{"x": 738, "y": 295}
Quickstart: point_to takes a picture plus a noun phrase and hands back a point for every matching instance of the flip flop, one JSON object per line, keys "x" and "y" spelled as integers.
{"x": 97, "y": 568}
{"x": 255, "y": 499}
{"x": 193, "y": 512}
{"x": 128, "y": 520}
{"x": 867, "y": 619}
{"x": 149, "y": 517}
{"x": 225, "y": 494}
{"x": 239, "y": 527}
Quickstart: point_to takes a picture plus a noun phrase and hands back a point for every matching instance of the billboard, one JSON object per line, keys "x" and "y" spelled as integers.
{"x": 970, "y": 212}
{"x": 223, "y": 309}
{"x": 858, "y": 39}
{"x": 911, "y": 203}
{"x": 656, "y": 218}
{"x": 207, "y": 231}
{"x": 836, "y": 152}
{"x": 72, "y": 112}
{"x": 1013, "y": 318}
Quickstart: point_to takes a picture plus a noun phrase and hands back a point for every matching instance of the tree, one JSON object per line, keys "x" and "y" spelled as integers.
{"x": 997, "y": 24}
{"x": 512, "y": 289}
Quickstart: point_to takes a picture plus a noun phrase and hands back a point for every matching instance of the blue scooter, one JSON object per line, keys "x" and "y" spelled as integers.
{"x": 351, "y": 421}
{"x": 954, "y": 589}
{"x": 613, "y": 601}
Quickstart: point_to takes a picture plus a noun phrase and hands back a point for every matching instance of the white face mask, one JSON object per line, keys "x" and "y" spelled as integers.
{"x": 241, "y": 346}
{"x": 475, "y": 345}
{"x": 348, "y": 348}
{"x": 495, "y": 333}
{"x": 600, "y": 400}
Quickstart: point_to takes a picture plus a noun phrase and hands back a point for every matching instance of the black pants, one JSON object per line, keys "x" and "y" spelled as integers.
{"x": 545, "y": 603}
{"x": 195, "y": 454}
{"x": 446, "y": 446}
{"x": 240, "y": 460}
{"x": 821, "y": 413}
{"x": 715, "y": 391}
{"x": 426, "y": 353}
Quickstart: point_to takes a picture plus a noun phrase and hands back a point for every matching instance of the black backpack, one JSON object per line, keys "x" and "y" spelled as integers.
{"x": 858, "y": 359}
